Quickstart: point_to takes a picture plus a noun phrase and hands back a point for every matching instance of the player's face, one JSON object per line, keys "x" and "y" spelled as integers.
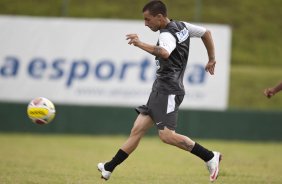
{"x": 153, "y": 22}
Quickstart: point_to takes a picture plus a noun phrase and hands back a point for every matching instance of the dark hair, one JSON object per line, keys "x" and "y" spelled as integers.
{"x": 155, "y": 8}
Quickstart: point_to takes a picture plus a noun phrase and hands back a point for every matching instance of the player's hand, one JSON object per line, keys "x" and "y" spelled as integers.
{"x": 133, "y": 39}
{"x": 269, "y": 92}
{"x": 210, "y": 67}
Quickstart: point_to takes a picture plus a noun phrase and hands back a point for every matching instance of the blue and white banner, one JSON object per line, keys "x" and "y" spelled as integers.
{"x": 88, "y": 62}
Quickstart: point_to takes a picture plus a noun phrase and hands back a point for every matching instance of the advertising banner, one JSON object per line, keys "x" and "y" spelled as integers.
{"x": 89, "y": 62}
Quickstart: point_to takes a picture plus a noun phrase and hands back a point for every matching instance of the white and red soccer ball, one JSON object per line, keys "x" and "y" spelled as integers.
{"x": 41, "y": 110}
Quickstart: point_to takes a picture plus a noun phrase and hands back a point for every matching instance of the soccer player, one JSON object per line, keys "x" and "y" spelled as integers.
{"x": 269, "y": 92}
{"x": 167, "y": 93}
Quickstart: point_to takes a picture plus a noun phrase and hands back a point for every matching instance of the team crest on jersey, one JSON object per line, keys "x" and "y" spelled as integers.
{"x": 182, "y": 35}
{"x": 158, "y": 64}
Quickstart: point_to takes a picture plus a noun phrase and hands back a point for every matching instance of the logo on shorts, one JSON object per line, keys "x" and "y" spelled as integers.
{"x": 159, "y": 123}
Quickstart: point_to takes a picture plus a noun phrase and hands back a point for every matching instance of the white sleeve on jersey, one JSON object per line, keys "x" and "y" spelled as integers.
{"x": 194, "y": 30}
{"x": 167, "y": 41}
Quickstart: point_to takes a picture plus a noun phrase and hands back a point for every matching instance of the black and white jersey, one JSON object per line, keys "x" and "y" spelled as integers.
{"x": 175, "y": 38}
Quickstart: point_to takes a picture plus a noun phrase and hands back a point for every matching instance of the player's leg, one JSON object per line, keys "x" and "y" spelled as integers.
{"x": 165, "y": 110}
{"x": 141, "y": 125}
{"x": 171, "y": 137}
{"x": 211, "y": 158}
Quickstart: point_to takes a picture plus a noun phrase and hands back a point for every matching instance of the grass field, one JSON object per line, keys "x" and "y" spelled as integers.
{"x": 72, "y": 159}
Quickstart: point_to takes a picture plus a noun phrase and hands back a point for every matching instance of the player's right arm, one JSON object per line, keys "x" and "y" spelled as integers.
{"x": 152, "y": 49}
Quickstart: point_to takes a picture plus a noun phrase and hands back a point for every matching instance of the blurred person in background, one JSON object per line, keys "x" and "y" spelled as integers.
{"x": 167, "y": 93}
{"x": 269, "y": 92}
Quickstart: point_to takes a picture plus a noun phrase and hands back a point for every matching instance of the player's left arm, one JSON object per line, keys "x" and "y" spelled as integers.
{"x": 208, "y": 42}
{"x": 205, "y": 35}
{"x": 152, "y": 49}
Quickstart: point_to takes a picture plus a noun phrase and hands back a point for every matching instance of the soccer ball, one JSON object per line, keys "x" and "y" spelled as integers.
{"x": 41, "y": 110}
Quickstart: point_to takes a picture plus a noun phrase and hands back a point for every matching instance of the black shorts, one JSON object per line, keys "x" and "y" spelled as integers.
{"x": 163, "y": 109}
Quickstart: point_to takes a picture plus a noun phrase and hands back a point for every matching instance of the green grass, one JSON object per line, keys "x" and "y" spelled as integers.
{"x": 30, "y": 158}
